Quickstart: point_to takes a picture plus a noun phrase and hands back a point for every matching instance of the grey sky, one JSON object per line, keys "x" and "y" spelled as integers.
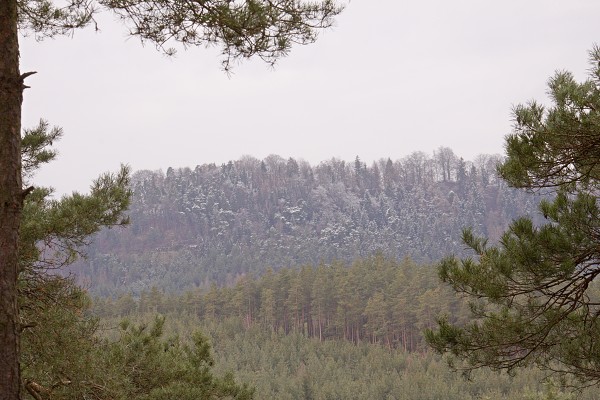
{"x": 392, "y": 77}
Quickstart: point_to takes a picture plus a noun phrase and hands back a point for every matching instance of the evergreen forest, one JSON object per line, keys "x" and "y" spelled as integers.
{"x": 429, "y": 277}
{"x": 276, "y": 279}
{"x": 212, "y": 224}
{"x": 331, "y": 332}
{"x": 312, "y": 282}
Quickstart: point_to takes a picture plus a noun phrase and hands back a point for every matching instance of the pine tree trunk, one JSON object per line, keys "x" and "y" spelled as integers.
{"x": 320, "y": 329}
{"x": 11, "y": 96}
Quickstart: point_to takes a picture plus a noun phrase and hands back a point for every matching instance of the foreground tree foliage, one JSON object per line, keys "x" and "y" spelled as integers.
{"x": 533, "y": 292}
{"x": 158, "y": 369}
{"x": 60, "y": 357}
{"x": 57, "y": 346}
{"x": 263, "y": 28}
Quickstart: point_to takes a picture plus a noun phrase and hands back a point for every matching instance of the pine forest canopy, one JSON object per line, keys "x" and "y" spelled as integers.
{"x": 266, "y": 29}
{"x": 334, "y": 331}
{"x": 538, "y": 308}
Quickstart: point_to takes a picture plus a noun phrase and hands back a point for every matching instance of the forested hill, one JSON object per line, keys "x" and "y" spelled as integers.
{"x": 213, "y": 223}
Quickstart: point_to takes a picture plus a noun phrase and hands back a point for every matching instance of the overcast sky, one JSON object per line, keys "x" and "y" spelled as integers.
{"x": 391, "y": 77}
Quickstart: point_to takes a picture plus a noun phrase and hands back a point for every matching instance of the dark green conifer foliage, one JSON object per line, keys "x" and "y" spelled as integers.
{"x": 58, "y": 350}
{"x": 533, "y": 292}
{"x": 160, "y": 368}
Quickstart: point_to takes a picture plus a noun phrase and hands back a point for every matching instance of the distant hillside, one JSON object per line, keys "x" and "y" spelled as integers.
{"x": 215, "y": 223}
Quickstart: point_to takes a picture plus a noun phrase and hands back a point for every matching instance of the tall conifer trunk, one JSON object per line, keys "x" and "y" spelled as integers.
{"x": 11, "y": 199}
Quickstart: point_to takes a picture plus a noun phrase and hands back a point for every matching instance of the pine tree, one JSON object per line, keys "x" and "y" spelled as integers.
{"x": 166, "y": 368}
{"x": 537, "y": 283}
{"x": 58, "y": 347}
